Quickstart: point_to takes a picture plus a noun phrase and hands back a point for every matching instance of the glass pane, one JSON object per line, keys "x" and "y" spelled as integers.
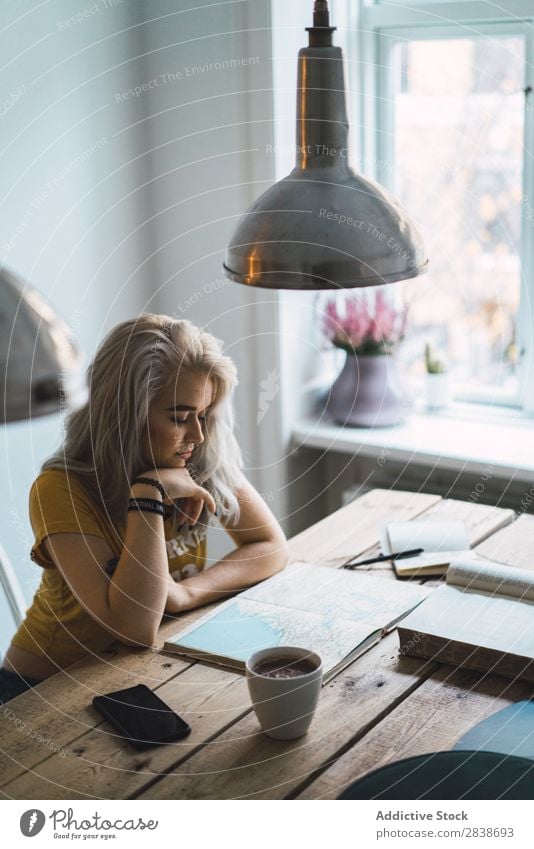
{"x": 458, "y": 153}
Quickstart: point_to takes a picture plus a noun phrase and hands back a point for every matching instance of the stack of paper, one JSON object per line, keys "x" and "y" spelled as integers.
{"x": 481, "y": 618}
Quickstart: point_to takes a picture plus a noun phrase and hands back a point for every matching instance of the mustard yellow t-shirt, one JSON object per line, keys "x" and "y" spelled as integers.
{"x": 56, "y": 626}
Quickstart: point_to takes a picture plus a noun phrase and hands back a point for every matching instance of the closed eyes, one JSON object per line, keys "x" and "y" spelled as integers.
{"x": 183, "y": 421}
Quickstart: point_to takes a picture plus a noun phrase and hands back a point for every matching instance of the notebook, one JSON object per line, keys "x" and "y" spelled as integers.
{"x": 441, "y": 541}
{"x": 334, "y": 612}
{"x": 482, "y": 618}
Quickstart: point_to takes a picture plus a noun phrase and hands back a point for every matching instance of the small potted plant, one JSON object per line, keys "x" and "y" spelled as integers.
{"x": 368, "y": 391}
{"x": 437, "y": 379}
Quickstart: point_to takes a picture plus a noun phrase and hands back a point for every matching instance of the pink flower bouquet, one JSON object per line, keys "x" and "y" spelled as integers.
{"x": 367, "y": 326}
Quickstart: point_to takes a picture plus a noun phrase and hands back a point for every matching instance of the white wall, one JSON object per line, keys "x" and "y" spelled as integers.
{"x": 127, "y": 155}
{"x": 70, "y": 202}
{"x": 207, "y": 132}
{"x": 309, "y": 364}
{"x": 109, "y": 208}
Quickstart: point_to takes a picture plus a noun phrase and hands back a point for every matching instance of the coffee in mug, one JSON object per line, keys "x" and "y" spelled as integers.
{"x": 284, "y": 668}
{"x": 284, "y": 684}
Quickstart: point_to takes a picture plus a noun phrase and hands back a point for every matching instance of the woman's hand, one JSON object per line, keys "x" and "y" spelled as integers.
{"x": 189, "y": 510}
{"x": 178, "y": 484}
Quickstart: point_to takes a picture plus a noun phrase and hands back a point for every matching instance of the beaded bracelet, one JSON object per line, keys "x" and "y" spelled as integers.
{"x": 148, "y": 505}
{"x": 140, "y": 509}
{"x": 159, "y": 506}
{"x": 145, "y": 500}
{"x": 152, "y": 482}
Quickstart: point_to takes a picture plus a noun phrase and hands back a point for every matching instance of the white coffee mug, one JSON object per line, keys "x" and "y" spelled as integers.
{"x": 284, "y": 706}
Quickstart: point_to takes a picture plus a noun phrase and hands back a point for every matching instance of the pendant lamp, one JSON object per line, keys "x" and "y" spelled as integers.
{"x": 40, "y": 368}
{"x": 40, "y": 373}
{"x": 323, "y": 226}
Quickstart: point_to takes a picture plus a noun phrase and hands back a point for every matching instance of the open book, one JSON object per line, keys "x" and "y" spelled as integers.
{"x": 442, "y": 542}
{"x": 482, "y": 618}
{"x": 336, "y": 613}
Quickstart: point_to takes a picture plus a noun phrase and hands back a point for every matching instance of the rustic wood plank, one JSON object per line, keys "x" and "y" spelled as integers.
{"x": 503, "y": 547}
{"x": 24, "y": 718}
{"x": 482, "y": 520}
{"x": 59, "y": 710}
{"x": 431, "y": 719}
{"x": 353, "y": 529}
{"x": 32, "y": 723}
{"x": 247, "y": 763}
{"x": 244, "y": 762}
{"x": 101, "y": 765}
{"x": 345, "y": 533}
{"x": 513, "y": 545}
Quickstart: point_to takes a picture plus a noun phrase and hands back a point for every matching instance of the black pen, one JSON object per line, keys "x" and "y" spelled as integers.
{"x": 396, "y": 555}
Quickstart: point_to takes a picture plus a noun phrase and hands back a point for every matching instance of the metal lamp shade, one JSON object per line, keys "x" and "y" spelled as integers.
{"x": 40, "y": 367}
{"x": 323, "y": 226}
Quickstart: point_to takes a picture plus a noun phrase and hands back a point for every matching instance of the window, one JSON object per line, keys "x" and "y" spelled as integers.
{"x": 458, "y": 119}
{"x": 448, "y": 134}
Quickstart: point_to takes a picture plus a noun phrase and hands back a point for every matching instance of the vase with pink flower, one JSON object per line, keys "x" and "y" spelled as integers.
{"x": 368, "y": 391}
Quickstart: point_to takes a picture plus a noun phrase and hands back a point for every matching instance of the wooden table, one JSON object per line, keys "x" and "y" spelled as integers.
{"x": 383, "y": 707}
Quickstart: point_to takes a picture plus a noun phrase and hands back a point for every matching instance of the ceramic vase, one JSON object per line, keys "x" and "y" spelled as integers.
{"x": 367, "y": 392}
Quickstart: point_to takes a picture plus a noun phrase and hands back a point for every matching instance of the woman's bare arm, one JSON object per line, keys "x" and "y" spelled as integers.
{"x": 262, "y": 551}
{"x": 130, "y": 605}
{"x": 137, "y": 594}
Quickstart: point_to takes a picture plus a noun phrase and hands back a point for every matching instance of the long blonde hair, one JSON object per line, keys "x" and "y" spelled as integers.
{"x": 103, "y": 439}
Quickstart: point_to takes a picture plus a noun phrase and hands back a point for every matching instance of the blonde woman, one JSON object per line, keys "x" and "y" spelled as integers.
{"x": 120, "y": 511}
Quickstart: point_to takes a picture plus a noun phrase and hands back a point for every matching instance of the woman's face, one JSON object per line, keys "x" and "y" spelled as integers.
{"x": 176, "y": 420}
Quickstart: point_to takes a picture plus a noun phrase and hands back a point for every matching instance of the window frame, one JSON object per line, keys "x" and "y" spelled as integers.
{"x": 378, "y": 28}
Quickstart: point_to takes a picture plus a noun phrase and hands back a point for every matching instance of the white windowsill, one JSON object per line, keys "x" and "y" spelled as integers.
{"x": 467, "y": 437}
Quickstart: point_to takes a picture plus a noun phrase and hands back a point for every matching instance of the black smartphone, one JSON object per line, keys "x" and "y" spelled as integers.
{"x": 141, "y": 717}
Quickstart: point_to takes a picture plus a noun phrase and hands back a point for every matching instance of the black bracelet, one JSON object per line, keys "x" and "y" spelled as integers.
{"x": 138, "y": 508}
{"x": 142, "y": 500}
{"x": 148, "y": 505}
{"x": 152, "y": 482}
